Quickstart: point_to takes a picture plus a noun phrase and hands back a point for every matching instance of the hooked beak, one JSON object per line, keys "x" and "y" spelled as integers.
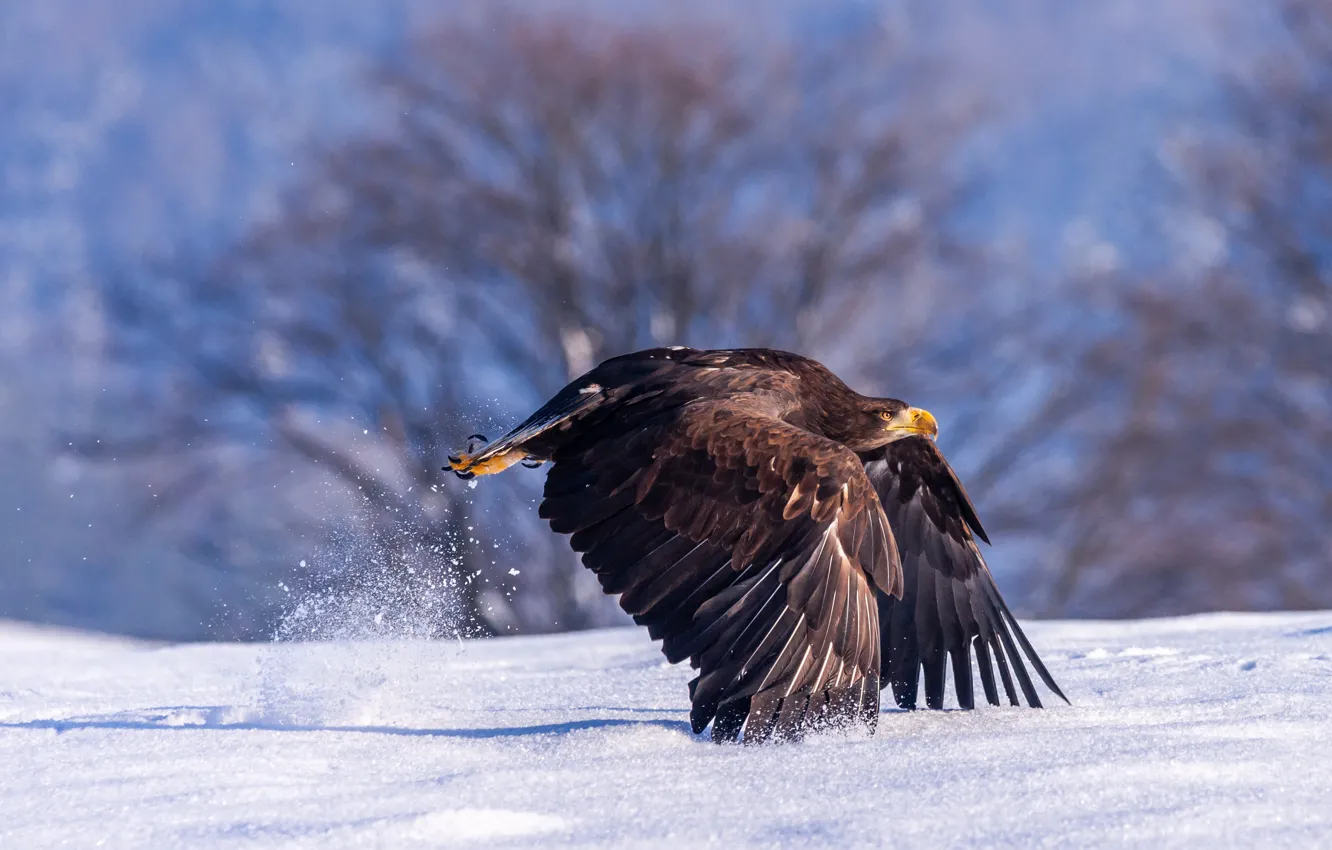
{"x": 914, "y": 422}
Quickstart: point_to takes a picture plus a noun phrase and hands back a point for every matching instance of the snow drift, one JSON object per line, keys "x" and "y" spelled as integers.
{"x": 1211, "y": 730}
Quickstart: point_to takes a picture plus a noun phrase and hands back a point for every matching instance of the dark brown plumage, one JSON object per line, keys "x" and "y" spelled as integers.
{"x": 801, "y": 544}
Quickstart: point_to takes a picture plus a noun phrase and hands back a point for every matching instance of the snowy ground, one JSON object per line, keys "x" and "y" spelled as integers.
{"x": 1204, "y": 731}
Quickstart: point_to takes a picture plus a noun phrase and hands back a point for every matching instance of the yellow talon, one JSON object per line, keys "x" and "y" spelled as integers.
{"x": 468, "y": 463}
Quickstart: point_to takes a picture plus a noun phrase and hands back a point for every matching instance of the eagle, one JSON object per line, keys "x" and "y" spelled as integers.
{"x": 801, "y": 544}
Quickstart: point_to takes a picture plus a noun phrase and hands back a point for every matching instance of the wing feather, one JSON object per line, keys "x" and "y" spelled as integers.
{"x": 950, "y": 603}
{"x": 749, "y": 546}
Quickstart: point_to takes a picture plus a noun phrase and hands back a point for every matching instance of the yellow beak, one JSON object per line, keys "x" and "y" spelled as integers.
{"x": 914, "y": 420}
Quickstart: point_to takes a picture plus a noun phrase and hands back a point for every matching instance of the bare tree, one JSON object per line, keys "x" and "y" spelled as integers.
{"x": 1181, "y": 457}
{"x": 549, "y": 191}
{"x": 619, "y": 187}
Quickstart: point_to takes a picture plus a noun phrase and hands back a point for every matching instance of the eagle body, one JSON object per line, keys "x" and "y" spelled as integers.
{"x": 800, "y": 544}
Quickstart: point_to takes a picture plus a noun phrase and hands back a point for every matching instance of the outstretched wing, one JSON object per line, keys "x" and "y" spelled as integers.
{"x": 950, "y": 604}
{"x": 747, "y": 545}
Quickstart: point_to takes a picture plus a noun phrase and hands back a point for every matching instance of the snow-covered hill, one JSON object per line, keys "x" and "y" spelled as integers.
{"x": 1202, "y": 731}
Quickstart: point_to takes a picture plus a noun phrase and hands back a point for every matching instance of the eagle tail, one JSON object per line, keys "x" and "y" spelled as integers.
{"x": 485, "y": 458}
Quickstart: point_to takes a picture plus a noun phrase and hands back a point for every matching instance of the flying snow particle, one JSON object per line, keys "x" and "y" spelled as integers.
{"x": 514, "y": 572}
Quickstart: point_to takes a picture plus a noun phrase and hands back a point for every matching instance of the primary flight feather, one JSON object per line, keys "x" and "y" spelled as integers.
{"x": 801, "y": 544}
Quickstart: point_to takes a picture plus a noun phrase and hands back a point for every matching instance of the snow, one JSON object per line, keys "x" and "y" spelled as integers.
{"x": 1213, "y": 730}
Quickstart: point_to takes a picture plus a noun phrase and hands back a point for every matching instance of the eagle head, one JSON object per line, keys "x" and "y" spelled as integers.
{"x": 880, "y": 421}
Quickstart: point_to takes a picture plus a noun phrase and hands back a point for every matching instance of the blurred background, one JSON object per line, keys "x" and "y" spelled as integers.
{"x": 264, "y": 263}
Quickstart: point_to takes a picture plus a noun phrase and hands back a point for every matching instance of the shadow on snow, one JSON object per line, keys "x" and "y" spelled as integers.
{"x": 171, "y": 722}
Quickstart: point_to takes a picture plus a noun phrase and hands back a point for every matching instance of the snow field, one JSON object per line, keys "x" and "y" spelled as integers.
{"x": 1213, "y": 731}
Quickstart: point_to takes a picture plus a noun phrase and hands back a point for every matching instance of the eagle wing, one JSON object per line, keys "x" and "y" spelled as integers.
{"x": 747, "y": 545}
{"x": 950, "y": 604}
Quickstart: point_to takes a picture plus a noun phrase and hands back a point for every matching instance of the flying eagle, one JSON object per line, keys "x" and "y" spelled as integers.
{"x": 801, "y": 544}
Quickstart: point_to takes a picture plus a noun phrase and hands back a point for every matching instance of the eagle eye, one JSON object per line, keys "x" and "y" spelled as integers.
{"x": 886, "y": 415}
